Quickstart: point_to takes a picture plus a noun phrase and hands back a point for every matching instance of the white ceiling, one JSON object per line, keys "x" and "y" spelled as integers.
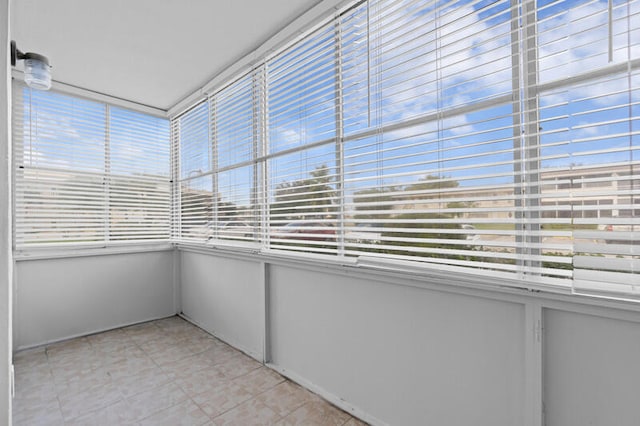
{"x": 154, "y": 52}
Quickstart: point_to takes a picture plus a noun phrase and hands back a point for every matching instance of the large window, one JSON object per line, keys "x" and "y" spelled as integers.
{"x": 497, "y": 138}
{"x": 87, "y": 173}
{"x": 302, "y": 175}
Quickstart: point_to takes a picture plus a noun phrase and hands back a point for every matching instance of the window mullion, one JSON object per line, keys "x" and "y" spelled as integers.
{"x": 531, "y": 137}
{"x": 257, "y": 186}
{"x": 264, "y": 150}
{"x": 526, "y": 136}
{"x": 176, "y": 217}
{"x": 340, "y": 232}
{"x": 518, "y": 129}
{"x": 213, "y": 139}
{"x": 107, "y": 175}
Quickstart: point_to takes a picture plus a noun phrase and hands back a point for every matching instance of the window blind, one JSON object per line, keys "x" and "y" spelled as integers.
{"x": 429, "y": 132}
{"x": 87, "y": 173}
{"x": 497, "y": 138}
{"x": 195, "y": 182}
{"x": 589, "y": 141}
{"x": 302, "y": 169}
{"x": 236, "y": 118}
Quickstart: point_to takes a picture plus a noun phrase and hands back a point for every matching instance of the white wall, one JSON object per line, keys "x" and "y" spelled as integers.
{"x": 6, "y": 262}
{"x": 58, "y": 299}
{"x": 225, "y": 297}
{"x": 406, "y": 352}
{"x": 592, "y": 370}
{"x": 406, "y": 356}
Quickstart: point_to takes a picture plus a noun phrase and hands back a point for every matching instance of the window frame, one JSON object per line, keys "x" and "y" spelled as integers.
{"x": 161, "y": 240}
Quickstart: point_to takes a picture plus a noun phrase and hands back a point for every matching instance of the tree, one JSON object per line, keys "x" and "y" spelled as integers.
{"x": 429, "y": 183}
{"x": 382, "y": 196}
{"x": 310, "y": 198}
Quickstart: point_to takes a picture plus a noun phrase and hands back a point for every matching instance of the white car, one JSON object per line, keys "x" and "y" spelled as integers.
{"x": 235, "y": 230}
{"x": 364, "y": 233}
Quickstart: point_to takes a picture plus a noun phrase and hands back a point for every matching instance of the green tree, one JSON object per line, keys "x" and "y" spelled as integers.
{"x": 420, "y": 229}
{"x": 381, "y": 196}
{"x": 429, "y": 183}
{"x": 310, "y": 198}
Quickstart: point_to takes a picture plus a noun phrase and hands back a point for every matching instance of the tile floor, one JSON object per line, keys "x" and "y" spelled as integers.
{"x": 165, "y": 372}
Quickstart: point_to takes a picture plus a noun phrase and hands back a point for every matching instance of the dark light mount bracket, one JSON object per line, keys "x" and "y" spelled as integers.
{"x": 17, "y": 55}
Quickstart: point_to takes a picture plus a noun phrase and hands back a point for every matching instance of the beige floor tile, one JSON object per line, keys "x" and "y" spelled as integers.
{"x": 135, "y": 363}
{"x": 259, "y": 380}
{"x": 170, "y": 355}
{"x": 112, "y": 336}
{"x": 154, "y": 400}
{"x": 222, "y": 398}
{"x": 79, "y": 359}
{"x": 74, "y": 372}
{"x": 200, "y": 343}
{"x": 355, "y": 422}
{"x": 30, "y": 357}
{"x": 286, "y": 398}
{"x": 316, "y": 413}
{"x": 173, "y": 322}
{"x": 201, "y": 381}
{"x": 78, "y": 403}
{"x": 106, "y": 348}
{"x": 119, "y": 413}
{"x": 34, "y": 391}
{"x": 36, "y": 406}
{"x": 118, "y": 353}
{"x": 170, "y": 322}
{"x": 143, "y": 333}
{"x": 142, "y": 328}
{"x": 141, "y": 382}
{"x": 221, "y": 353}
{"x": 68, "y": 346}
{"x": 251, "y": 412}
{"x": 160, "y": 372}
{"x": 238, "y": 366}
{"x": 161, "y": 344}
{"x": 31, "y": 378}
{"x": 89, "y": 380}
{"x": 187, "y": 366}
{"x": 47, "y": 415}
{"x": 185, "y": 413}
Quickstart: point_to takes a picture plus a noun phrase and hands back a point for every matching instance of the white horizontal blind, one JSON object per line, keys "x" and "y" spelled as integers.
{"x": 195, "y": 184}
{"x": 491, "y": 137}
{"x": 235, "y": 118}
{"x": 138, "y": 172}
{"x": 302, "y": 173}
{"x": 87, "y": 173}
{"x": 589, "y": 140}
{"x": 430, "y": 124}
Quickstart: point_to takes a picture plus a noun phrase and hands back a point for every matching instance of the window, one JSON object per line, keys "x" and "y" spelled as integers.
{"x": 302, "y": 170}
{"x": 236, "y": 119}
{"x": 195, "y": 182}
{"x": 88, "y": 173}
{"x": 490, "y": 137}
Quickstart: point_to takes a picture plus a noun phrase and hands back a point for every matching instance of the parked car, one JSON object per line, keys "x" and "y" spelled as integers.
{"x": 364, "y": 233}
{"x": 620, "y": 234}
{"x": 204, "y": 232}
{"x": 233, "y": 230}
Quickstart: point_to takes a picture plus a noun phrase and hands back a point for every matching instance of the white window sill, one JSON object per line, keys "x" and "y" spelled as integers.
{"x": 78, "y": 251}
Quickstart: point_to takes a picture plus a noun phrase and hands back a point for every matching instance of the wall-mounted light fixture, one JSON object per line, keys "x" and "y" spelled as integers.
{"x": 37, "y": 71}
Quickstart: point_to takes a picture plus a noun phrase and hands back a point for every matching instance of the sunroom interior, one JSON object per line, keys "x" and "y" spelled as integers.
{"x": 423, "y": 211}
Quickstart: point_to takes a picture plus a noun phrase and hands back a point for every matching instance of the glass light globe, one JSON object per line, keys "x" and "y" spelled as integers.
{"x": 37, "y": 73}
